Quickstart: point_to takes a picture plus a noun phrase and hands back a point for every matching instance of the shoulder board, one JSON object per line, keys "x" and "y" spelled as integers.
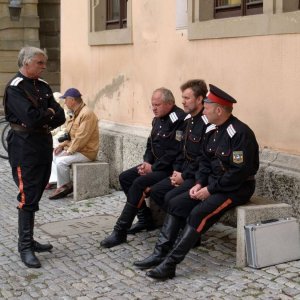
{"x": 205, "y": 120}
{"x": 187, "y": 117}
{"x": 231, "y": 131}
{"x": 173, "y": 117}
{"x": 43, "y": 81}
{"x": 16, "y": 81}
{"x": 210, "y": 128}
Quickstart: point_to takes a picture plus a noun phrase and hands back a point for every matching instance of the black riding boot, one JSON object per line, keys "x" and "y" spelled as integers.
{"x": 36, "y": 246}
{"x": 164, "y": 243}
{"x": 145, "y": 221}
{"x": 119, "y": 234}
{"x": 168, "y": 267}
{"x": 25, "y": 240}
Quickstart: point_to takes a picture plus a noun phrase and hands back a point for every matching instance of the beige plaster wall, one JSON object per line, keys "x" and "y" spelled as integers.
{"x": 262, "y": 72}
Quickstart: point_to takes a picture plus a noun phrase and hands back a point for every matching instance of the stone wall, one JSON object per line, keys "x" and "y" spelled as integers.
{"x": 278, "y": 177}
{"x": 39, "y": 26}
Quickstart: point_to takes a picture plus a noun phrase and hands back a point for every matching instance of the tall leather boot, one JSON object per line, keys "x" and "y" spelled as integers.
{"x": 36, "y": 246}
{"x": 164, "y": 243}
{"x": 145, "y": 221}
{"x": 25, "y": 240}
{"x": 119, "y": 234}
{"x": 167, "y": 268}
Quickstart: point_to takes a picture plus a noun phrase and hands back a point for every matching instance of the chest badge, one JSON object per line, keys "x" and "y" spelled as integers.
{"x": 238, "y": 157}
{"x": 179, "y": 135}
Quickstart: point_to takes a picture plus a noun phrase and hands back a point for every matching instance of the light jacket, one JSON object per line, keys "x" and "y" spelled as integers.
{"x": 84, "y": 132}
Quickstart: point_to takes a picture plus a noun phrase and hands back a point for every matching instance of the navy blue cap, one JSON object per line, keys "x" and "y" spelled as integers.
{"x": 72, "y": 92}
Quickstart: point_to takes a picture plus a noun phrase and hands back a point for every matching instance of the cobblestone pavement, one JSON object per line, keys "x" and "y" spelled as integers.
{"x": 78, "y": 268}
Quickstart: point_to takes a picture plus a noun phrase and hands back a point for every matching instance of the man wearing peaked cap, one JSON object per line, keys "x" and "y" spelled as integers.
{"x": 225, "y": 178}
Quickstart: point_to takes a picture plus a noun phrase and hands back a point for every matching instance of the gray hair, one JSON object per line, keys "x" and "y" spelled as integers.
{"x": 167, "y": 95}
{"x": 27, "y": 53}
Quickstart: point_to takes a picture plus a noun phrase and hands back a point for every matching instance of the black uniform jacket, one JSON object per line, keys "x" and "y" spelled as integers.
{"x": 26, "y": 103}
{"x": 230, "y": 156}
{"x": 191, "y": 145}
{"x": 163, "y": 144}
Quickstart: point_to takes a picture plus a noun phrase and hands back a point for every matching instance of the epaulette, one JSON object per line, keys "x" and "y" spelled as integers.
{"x": 43, "y": 81}
{"x": 231, "y": 131}
{"x": 187, "y": 117}
{"x": 173, "y": 117}
{"x": 16, "y": 81}
{"x": 205, "y": 120}
{"x": 210, "y": 128}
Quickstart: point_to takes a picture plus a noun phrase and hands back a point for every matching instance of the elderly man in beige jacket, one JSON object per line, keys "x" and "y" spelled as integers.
{"x": 80, "y": 143}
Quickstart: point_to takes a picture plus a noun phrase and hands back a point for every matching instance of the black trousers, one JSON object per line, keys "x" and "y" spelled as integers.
{"x": 31, "y": 181}
{"x": 163, "y": 191}
{"x": 201, "y": 215}
{"x": 134, "y": 184}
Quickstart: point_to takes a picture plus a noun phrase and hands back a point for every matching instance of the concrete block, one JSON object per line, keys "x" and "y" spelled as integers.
{"x": 90, "y": 179}
{"x": 158, "y": 214}
{"x": 250, "y": 214}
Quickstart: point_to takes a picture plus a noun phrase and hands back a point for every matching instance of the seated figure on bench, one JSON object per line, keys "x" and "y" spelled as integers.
{"x": 225, "y": 179}
{"x": 186, "y": 164}
{"x": 80, "y": 143}
{"x": 163, "y": 146}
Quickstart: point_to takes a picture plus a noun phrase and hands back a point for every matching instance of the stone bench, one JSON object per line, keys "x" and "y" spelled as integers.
{"x": 258, "y": 209}
{"x": 90, "y": 179}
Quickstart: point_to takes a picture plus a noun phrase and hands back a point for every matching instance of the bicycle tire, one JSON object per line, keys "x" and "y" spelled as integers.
{"x": 3, "y": 140}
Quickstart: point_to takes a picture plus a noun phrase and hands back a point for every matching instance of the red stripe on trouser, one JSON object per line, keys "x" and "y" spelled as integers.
{"x": 216, "y": 211}
{"x": 21, "y": 187}
{"x": 141, "y": 200}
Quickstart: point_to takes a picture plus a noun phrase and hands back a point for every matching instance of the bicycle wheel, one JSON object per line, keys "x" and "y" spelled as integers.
{"x": 4, "y": 128}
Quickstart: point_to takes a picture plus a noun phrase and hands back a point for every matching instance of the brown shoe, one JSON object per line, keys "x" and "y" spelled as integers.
{"x": 61, "y": 192}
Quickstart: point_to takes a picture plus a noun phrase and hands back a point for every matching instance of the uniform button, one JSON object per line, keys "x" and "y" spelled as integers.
{"x": 222, "y": 153}
{"x": 192, "y": 122}
{"x": 160, "y": 126}
{"x": 209, "y": 149}
{"x": 214, "y": 140}
{"x": 158, "y": 134}
{"x": 194, "y": 138}
{"x": 164, "y": 135}
{"x": 190, "y": 130}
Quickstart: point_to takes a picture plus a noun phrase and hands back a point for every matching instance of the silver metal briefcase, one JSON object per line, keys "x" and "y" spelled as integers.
{"x": 272, "y": 242}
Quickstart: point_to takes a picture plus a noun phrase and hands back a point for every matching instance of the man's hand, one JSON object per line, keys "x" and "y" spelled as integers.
{"x": 58, "y": 149}
{"x": 202, "y": 194}
{"x": 194, "y": 190}
{"x": 176, "y": 179}
{"x": 144, "y": 168}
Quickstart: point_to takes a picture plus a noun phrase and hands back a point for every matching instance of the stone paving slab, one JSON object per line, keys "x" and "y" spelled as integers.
{"x": 78, "y": 268}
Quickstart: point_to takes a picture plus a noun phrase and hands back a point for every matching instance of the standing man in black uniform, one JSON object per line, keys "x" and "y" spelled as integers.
{"x": 163, "y": 146}
{"x": 32, "y": 112}
{"x": 225, "y": 178}
{"x": 185, "y": 167}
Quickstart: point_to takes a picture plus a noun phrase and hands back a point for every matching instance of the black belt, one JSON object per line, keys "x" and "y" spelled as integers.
{"x": 252, "y": 177}
{"x": 17, "y": 127}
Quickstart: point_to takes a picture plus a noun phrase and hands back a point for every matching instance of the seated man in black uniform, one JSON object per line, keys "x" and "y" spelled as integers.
{"x": 186, "y": 164}
{"x": 224, "y": 180}
{"x": 163, "y": 146}
{"x": 32, "y": 112}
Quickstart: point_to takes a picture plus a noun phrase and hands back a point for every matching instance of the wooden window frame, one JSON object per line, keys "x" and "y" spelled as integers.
{"x": 243, "y": 9}
{"x": 120, "y": 22}
{"x": 278, "y": 17}
{"x": 99, "y": 34}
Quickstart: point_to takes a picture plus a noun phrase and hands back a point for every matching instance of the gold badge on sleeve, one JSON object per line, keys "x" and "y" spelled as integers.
{"x": 238, "y": 157}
